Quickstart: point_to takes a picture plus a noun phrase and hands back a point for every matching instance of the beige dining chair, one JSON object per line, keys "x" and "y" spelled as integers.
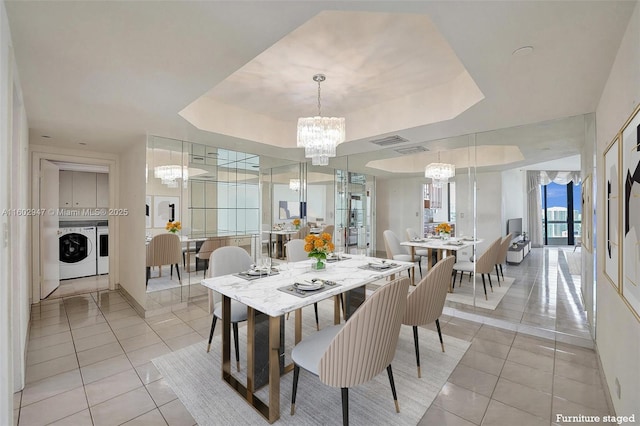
{"x": 296, "y": 253}
{"x": 204, "y": 253}
{"x": 413, "y": 235}
{"x": 329, "y": 230}
{"x": 501, "y": 256}
{"x": 164, "y": 249}
{"x": 483, "y": 265}
{"x": 353, "y": 353}
{"x": 224, "y": 261}
{"x": 394, "y": 250}
{"x": 304, "y": 231}
{"x": 425, "y": 303}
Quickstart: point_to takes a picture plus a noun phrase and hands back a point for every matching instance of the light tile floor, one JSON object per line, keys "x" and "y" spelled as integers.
{"x": 88, "y": 363}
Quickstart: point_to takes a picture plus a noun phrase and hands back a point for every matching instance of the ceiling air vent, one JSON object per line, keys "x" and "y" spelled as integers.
{"x": 389, "y": 140}
{"x": 411, "y": 150}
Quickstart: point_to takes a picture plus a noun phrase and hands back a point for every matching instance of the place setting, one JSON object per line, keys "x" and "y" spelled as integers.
{"x": 305, "y": 288}
{"x": 256, "y": 272}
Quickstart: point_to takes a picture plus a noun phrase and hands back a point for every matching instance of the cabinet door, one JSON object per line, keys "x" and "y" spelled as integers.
{"x": 84, "y": 189}
{"x": 66, "y": 189}
{"x": 102, "y": 190}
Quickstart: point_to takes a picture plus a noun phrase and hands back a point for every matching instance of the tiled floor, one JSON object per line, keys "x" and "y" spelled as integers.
{"x": 81, "y": 286}
{"x": 88, "y": 362}
{"x": 545, "y": 294}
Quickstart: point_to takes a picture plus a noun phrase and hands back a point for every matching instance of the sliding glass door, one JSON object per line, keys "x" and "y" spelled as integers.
{"x": 561, "y": 213}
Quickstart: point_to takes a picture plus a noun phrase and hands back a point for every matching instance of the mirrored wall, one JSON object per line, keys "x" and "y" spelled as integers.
{"x": 224, "y": 197}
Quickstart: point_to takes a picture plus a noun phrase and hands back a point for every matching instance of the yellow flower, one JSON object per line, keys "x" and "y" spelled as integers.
{"x": 326, "y": 236}
{"x": 296, "y": 222}
{"x": 444, "y": 227}
{"x": 308, "y": 247}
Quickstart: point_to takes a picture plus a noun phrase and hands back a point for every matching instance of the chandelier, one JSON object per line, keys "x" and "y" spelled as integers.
{"x": 294, "y": 184}
{"x": 439, "y": 173}
{"x": 320, "y": 135}
{"x": 170, "y": 174}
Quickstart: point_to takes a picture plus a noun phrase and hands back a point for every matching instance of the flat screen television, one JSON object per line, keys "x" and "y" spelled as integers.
{"x": 514, "y": 226}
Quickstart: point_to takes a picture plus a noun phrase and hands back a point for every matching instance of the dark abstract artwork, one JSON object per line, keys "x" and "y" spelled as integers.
{"x": 631, "y": 213}
{"x": 612, "y": 208}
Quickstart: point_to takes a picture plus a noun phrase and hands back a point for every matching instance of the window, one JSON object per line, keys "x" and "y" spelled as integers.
{"x": 561, "y": 216}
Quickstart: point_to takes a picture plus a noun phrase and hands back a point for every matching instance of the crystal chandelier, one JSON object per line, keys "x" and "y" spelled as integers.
{"x": 294, "y": 184}
{"x": 169, "y": 174}
{"x": 439, "y": 173}
{"x": 320, "y": 135}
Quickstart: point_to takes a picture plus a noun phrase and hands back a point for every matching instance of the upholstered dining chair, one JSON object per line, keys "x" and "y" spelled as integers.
{"x": 394, "y": 250}
{"x": 295, "y": 253}
{"x": 204, "y": 253}
{"x": 303, "y": 232}
{"x": 483, "y": 265}
{"x": 353, "y": 353}
{"x": 329, "y": 230}
{"x": 425, "y": 303}
{"x": 501, "y": 256}
{"x": 224, "y": 261}
{"x": 412, "y": 234}
{"x": 164, "y": 249}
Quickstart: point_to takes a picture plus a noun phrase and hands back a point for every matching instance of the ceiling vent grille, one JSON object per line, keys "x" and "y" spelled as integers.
{"x": 389, "y": 140}
{"x": 411, "y": 150}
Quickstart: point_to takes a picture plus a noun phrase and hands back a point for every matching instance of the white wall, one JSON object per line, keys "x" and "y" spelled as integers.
{"x": 130, "y": 229}
{"x": 617, "y": 330}
{"x": 398, "y": 207}
{"x": 490, "y": 223}
{"x": 14, "y": 257}
{"x": 513, "y": 197}
{"x": 6, "y": 339}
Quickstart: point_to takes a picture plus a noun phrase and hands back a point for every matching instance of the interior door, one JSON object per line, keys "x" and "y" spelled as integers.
{"x": 49, "y": 246}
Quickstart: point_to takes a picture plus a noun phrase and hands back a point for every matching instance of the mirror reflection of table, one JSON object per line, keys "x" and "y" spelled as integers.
{"x": 441, "y": 248}
{"x": 277, "y": 239}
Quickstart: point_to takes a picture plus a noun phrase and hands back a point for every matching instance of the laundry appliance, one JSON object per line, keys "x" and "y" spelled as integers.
{"x": 77, "y": 252}
{"x": 103, "y": 248}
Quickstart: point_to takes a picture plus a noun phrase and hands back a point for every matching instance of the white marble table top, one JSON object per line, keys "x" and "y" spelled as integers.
{"x": 452, "y": 244}
{"x": 263, "y": 294}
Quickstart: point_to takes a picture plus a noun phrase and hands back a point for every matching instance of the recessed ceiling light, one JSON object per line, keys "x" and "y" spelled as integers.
{"x": 523, "y": 51}
{"x": 46, "y": 136}
{"x": 81, "y": 143}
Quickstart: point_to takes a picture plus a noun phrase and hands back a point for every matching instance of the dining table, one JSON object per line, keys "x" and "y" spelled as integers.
{"x": 275, "y": 292}
{"x": 441, "y": 247}
{"x": 282, "y": 236}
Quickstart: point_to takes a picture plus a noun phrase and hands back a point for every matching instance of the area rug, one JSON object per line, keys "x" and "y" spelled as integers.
{"x": 464, "y": 293}
{"x": 194, "y": 375}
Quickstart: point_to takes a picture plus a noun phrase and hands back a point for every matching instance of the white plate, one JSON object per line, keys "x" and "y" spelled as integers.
{"x": 380, "y": 265}
{"x": 309, "y": 286}
{"x": 256, "y": 272}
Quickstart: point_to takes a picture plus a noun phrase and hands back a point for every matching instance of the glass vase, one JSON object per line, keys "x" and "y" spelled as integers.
{"x": 319, "y": 264}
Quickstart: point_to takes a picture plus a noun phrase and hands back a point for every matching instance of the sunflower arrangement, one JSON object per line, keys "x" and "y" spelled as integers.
{"x": 173, "y": 227}
{"x": 318, "y": 246}
{"x": 296, "y": 223}
{"x": 443, "y": 228}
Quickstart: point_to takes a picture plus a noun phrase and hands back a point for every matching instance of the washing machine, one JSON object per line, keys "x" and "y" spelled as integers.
{"x": 77, "y": 252}
{"x": 103, "y": 248}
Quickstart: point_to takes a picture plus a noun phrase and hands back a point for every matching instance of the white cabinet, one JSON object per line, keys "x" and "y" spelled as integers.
{"x": 102, "y": 190}
{"x": 66, "y": 189}
{"x": 77, "y": 189}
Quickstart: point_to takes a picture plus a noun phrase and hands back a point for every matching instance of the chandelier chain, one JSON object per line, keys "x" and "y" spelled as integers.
{"x": 319, "y": 105}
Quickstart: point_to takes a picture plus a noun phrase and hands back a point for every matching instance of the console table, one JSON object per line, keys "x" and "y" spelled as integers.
{"x": 515, "y": 255}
